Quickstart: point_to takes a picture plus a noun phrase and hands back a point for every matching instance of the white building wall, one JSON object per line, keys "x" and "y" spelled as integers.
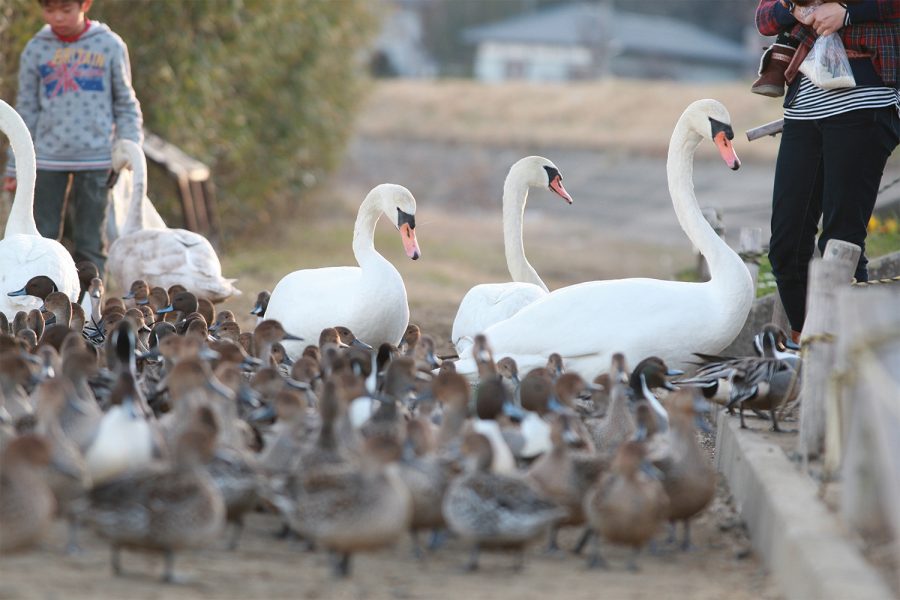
{"x": 500, "y": 62}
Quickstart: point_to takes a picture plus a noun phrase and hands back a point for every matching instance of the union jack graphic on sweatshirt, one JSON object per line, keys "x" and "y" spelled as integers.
{"x": 76, "y": 99}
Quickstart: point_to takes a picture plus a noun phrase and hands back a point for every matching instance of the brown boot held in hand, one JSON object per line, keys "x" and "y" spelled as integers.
{"x": 772, "y": 65}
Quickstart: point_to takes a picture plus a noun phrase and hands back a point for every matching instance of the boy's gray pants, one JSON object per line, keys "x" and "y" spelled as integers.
{"x": 85, "y": 200}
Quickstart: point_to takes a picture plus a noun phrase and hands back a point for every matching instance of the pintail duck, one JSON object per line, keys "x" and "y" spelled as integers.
{"x": 164, "y": 509}
{"x": 491, "y": 510}
{"x": 68, "y": 474}
{"x": 124, "y": 441}
{"x": 138, "y": 293}
{"x": 688, "y": 477}
{"x": 26, "y": 501}
{"x": 565, "y": 474}
{"x": 427, "y": 477}
{"x": 626, "y": 506}
{"x": 261, "y": 304}
{"x": 757, "y": 382}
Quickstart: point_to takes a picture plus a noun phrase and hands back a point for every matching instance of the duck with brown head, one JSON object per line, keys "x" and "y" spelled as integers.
{"x": 494, "y": 511}
{"x": 26, "y": 501}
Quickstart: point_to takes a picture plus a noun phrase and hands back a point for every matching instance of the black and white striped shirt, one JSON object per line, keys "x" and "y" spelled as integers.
{"x": 812, "y": 102}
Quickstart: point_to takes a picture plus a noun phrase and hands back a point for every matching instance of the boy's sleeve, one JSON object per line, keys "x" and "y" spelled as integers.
{"x": 27, "y": 100}
{"x": 126, "y": 108}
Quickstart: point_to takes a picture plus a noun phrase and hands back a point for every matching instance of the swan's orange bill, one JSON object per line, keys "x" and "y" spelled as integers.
{"x": 726, "y": 151}
{"x": 408, "y": 235}
{"x": 557, "y": 186}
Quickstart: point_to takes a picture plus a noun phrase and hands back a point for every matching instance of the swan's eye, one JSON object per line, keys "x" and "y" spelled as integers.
{"x": 404, "y": 217}
{"x": 720, "y": 127}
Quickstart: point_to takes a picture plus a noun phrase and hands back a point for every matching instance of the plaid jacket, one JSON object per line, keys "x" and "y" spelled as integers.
{"x": 874, "y": 30}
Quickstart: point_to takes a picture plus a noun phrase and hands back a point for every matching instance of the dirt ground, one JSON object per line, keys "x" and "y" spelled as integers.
{"x": 722, "y": 566}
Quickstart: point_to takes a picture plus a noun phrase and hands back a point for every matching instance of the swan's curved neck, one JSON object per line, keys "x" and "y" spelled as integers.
{"x": 515, "y": 195}
{"x": 724, "y": 263}
{"x": 21, "y": 215}
{"x": 135, "y": 220}
{"x": 364, "y": 229}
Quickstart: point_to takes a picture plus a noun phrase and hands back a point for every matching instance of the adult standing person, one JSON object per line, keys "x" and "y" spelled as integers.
{"x": 76, "y": 98}
{"x": 835, "y": 142}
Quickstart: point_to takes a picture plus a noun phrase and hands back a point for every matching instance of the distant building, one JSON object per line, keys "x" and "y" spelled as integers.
{"x": 591, "y": 41}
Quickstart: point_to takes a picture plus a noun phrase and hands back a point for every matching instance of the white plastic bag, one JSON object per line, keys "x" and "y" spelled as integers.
{"x": 827, "y": 65}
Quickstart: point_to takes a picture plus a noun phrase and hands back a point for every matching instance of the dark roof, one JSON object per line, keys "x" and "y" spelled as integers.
{"x": 579, "y": 24}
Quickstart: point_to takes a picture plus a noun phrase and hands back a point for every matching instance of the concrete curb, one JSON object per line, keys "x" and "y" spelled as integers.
{"x": 798, "y": 539}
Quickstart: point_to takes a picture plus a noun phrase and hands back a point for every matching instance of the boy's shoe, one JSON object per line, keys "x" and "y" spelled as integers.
{"x": 772, "y": 65}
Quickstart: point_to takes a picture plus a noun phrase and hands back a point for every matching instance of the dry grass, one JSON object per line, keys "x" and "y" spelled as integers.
{"x": 624, "y": 115}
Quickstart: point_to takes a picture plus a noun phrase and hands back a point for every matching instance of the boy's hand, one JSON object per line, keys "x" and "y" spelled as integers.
{"x": 9, "y": 184}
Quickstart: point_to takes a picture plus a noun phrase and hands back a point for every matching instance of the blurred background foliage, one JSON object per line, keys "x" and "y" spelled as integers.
{"x": 263, "y": 91}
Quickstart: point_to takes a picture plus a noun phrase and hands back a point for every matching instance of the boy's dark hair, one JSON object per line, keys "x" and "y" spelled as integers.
{"x": 46, "y": 3}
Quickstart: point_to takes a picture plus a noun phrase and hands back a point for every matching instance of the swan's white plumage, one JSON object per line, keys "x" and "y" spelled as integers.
{"x": 588, "y": 322}
{"x": 369, "y": 299}
{"x": 23, "y": 252}
{"x": 490, "y": 303}
{"x": 162, "y": 257}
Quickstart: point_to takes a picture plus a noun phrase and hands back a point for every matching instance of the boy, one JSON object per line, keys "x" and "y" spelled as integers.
{"x": 75, "y": 95}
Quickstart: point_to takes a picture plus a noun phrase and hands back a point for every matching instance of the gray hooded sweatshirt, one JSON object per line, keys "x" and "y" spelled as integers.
{"x": 76, "y": 98}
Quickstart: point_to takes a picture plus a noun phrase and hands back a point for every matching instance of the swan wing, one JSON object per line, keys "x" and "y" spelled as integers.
{"x": 487, "y": 304}
{"x": 24, "y": 256}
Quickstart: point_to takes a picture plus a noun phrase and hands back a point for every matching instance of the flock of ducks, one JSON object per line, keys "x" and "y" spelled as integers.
{"x": 158, "y": 421}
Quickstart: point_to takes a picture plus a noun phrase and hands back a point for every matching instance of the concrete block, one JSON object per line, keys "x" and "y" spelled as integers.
{"x": 799, "y": 540}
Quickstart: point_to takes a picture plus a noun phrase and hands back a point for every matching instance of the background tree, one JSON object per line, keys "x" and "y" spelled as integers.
{"x": 264, "y": 91}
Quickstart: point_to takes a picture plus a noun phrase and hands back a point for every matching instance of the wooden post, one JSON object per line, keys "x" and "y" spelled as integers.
{"x": 826, "y": 275}
{"x": 869, "y": 355}
{"x": 750, "y": 248}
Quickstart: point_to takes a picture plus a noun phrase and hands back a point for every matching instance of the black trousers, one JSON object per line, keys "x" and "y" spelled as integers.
{"x": 829, "y": 170}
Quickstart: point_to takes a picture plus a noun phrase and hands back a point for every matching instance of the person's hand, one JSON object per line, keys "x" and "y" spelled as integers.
{"x": 9, "y": 184}
{"x": 827, "y": 18}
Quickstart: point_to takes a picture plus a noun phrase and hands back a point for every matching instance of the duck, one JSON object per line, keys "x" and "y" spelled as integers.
{"x": 764, "y": 382}
{"x": 162, "y": 509}
{"x": 688, "y": 477}
{"x": 24, "y": 253}
{"x": 492, "y": 510}
{"x": 353, "y": 508}
{"x": 626, "y": 506}
{"x": 371, "y": 298}
{"x": 162, "y": 256}
{"x": 565, "y": 474}
{"x": 489, "y": 303}
{"x": 124, "y": 440}
{"x": 27, "y": 504}
{"x": 626, "y": 315}
{"x": 261, "y": 304}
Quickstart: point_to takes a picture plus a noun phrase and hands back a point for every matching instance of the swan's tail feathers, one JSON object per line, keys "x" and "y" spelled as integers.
{"x": 234, "y": 290}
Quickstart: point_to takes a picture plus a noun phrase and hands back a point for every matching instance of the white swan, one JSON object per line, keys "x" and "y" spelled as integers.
{"x": 119, "y": 203}
{"x": 23, "y": 252}
{"x": 586, "y": 323}
{"x": 490, "y": 303}
{"x": 161, "y": 257}
{"x": 369, "y": 299}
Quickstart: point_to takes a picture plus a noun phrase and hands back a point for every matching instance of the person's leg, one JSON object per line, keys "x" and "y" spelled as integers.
{"x": 49, "y": 200}
{"x": 856, "y": 148}
{"x": 89, "y": 199}
{"x": 796, "y": 208}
